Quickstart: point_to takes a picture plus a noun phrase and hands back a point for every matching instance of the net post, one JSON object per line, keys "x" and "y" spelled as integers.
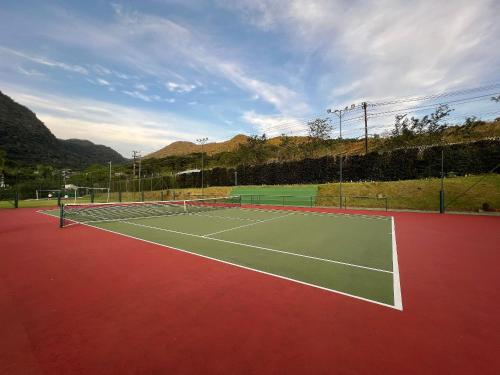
{"x": 61, "y": 216}
{"x": 92, "y": 196}
{"x": 441, "y": 202}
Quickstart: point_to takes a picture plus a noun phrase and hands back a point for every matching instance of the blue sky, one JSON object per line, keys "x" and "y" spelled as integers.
{"x": 139, "y": 75}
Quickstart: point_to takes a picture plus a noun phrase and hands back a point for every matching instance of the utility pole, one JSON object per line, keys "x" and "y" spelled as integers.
{"x": 364, "y": 104}
{"x": 202, "y": 141}
{"x": 339, "y": 113}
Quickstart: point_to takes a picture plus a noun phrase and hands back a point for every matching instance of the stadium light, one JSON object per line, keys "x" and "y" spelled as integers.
{"x": 339, "y": 113}
{"x": 202, "y": 141}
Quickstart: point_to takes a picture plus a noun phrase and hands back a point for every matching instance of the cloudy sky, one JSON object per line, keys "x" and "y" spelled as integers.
{"x": 142, "y": 74}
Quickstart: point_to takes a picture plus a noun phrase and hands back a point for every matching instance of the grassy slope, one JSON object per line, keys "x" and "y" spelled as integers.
{"x": 418, "y": 194}
{"x": 410, "y": 194}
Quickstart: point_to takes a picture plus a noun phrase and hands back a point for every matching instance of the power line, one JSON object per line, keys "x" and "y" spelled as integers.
{"x": 440, "y": 95}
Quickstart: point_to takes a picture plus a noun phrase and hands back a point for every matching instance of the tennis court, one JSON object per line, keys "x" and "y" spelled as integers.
{"x": 353, "y": 255}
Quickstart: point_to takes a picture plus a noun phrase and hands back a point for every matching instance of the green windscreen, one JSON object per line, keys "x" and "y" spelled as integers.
{"x": 299, "y": 195}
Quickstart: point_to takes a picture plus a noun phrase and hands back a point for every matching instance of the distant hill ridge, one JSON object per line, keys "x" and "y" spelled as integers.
{"x": 28, "y": 141}
{"x": 185, "y": 148}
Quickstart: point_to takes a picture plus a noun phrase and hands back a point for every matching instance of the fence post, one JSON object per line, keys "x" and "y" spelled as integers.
{"x": 441, "y": 202}
{"x": 161, "y": 192}
{"x": 142, "y": 195}
{"x": 59, "y": 198}
{"x": 16, "y": 199}
{"x": 119, "y": 195}
{"x": 386, "y": 204}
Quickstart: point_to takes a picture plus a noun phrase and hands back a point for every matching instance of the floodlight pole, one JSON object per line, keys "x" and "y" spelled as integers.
{"x": 202, "y": 141}
{"x": 339, "y": 113}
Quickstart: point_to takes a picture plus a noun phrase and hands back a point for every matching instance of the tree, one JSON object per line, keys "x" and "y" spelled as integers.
{"x": 319, "y": 131}
{"x": 255, "y": 150}
{"x": 287, "y": 148}
{"x": 407, "y": 131}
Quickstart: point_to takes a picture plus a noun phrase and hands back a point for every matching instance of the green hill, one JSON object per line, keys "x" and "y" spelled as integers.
{"x": 27, "y": 141}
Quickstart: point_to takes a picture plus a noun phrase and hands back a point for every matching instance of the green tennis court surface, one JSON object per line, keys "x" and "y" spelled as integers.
{"x": 349, "y": 254}
{"x": 304, "y": 195}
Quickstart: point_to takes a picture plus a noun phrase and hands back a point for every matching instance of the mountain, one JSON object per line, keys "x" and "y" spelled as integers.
{"x": 28, "y": 141}
{"x": 185, "y": 148}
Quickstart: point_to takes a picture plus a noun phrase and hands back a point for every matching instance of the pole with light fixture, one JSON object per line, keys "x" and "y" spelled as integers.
{"x": 202, "y": 141}
{"x": 340, "y": 113}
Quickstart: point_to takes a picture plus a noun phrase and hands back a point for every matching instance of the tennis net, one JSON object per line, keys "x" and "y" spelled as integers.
{"x": 97, "y": 212}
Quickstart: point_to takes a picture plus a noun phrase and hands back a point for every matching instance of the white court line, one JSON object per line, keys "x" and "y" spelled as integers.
{"x": 398, "y": 301}
{"x": 237, "y": 265}
{"x": 315, "y": 213}
{"x": 258, "y": 247}
{"x": 248, "y": 225}
{"x": 226, "y": 217}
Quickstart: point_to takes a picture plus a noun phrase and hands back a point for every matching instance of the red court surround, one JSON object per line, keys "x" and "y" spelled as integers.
{"x": 80, "y": 300}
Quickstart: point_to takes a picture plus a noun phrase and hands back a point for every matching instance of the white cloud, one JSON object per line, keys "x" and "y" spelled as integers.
{"x": 152, "y": 44}
{"x": 179, "y": 87}
{"x": 29, "y": 72}
{"x": 102, "y": 82}
{"x": 390, "y": 47}
{"x": 284, "y": 99}
{"x": 141, "y": 87}
{"x": 147, "y": 98}
{"x": 273, "y": 126}
{"x": 45, "y": 61}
